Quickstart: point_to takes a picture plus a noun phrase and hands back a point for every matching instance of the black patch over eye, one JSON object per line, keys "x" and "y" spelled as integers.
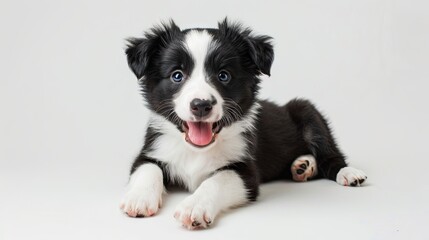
{"x": 224, "y": 76}
{"x": 177, "y": 76}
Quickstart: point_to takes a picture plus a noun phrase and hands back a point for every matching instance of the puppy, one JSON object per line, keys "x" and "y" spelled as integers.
{"x": 209, "y": 132}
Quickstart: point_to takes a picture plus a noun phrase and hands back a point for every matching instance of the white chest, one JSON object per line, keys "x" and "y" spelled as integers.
{"x": 189, "y": 165}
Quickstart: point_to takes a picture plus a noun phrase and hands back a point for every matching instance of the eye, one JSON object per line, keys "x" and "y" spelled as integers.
{"x": 177, "y": 76}
{"x": 224, "y": 76}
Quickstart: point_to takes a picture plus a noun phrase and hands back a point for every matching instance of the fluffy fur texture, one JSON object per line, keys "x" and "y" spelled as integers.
{"x": 208, "y": 131}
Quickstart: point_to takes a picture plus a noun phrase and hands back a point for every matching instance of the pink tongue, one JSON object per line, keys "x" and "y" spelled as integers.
{"x": 200, "y": 133}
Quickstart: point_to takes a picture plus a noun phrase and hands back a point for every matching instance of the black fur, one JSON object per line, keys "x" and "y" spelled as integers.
{"x": 287, "y": 132}
{"x": 282, "y": 133}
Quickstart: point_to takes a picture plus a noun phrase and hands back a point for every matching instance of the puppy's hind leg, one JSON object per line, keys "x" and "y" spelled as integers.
{"x": 316, "y": 133}
{"x": 331, "y": 162}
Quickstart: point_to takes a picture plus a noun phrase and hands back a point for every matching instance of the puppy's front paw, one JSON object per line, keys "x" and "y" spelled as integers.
{"x": 141, "y": 203}
{"x": 349, "y": 176}
{"x": 195, "y": 212}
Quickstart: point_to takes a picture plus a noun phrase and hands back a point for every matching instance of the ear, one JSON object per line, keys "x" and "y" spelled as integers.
{"x": 261, "y": 52}
{"x": 260, "y": 47}
{"x": 140, "y": 51}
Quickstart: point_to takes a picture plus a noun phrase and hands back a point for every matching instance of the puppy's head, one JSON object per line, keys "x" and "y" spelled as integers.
{"x": 201, "y": 80}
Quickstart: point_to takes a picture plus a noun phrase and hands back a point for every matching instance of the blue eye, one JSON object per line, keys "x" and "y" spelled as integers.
{"x": 224, "y": 76}
{"x": 177, "y": 76}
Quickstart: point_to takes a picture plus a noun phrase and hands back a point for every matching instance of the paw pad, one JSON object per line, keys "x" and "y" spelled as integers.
{"x": 304, "y": 168}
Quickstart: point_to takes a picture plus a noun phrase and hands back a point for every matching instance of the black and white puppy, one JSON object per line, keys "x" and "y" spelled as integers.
{"x": 209, "y": 132}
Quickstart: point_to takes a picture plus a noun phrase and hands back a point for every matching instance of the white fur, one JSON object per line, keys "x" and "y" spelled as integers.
{"x": 223, "y": 190}
{"x": 144, "y": 191}
{"x": 347, "y": 175}
{"x": 198, "y": 44}
{"x": 190, "y": 165}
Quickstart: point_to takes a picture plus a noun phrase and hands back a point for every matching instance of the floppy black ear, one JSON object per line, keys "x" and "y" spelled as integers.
{"x": 140, "y": 51}
{"x": 262, "y": 53}
{"x": 259, "y": 46}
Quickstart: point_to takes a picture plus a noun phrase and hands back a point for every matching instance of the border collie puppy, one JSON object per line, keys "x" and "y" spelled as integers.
{"x": 209, "y": 132}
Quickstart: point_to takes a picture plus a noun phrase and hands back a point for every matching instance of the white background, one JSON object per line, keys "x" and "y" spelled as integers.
{"x": 72, "y": 119}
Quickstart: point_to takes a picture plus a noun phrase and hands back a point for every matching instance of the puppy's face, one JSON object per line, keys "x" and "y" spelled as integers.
{"x": 201, "y": 80}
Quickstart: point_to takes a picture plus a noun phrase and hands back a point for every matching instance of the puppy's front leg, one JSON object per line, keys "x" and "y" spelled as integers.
{"x": 223, "y": 190}
{"x": 144, "y": 191}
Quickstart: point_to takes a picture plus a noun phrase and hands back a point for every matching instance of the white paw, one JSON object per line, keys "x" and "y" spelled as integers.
{"x": 144, "y": 194}
{"x": 195, "y": 212}
{"x": 349, "y": 176}
{"x": 143, "y": 203}
{"x": 304, "y": 168}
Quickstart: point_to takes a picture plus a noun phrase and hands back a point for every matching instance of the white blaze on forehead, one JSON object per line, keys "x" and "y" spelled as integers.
{"x": 198, "y": 43}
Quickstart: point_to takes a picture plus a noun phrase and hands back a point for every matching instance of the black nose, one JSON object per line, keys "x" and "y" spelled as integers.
{"x": 201, "y": 108}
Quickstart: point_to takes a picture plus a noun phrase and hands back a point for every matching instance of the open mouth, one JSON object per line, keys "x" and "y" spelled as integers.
{"x": 201, "y": 134}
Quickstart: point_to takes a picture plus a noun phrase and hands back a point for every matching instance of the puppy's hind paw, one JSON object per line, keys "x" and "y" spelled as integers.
{"x": 349, "y": 176}
{"x": 304, "y": 168}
